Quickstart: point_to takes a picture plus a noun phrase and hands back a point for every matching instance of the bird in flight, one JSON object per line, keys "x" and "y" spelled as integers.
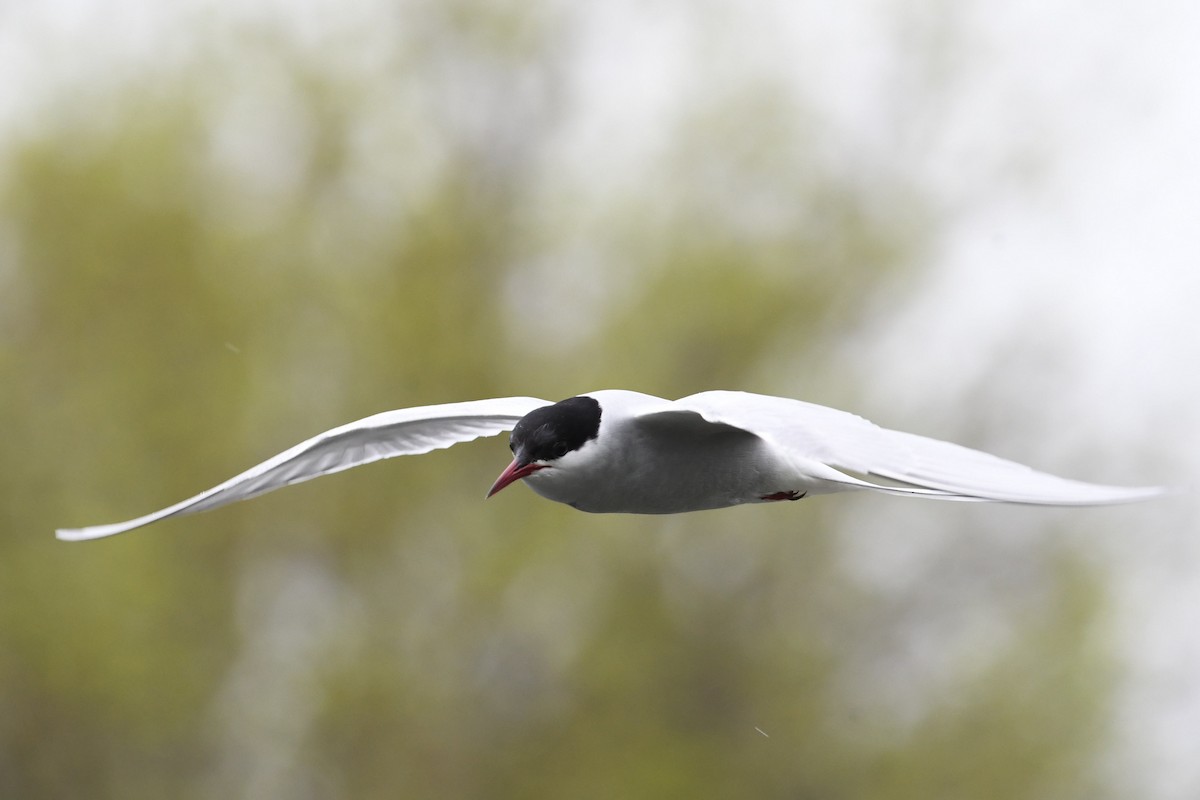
{"x": 627, "y": 452}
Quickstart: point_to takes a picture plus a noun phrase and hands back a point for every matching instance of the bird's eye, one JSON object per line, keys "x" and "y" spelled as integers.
{"x": 560, "y": 449}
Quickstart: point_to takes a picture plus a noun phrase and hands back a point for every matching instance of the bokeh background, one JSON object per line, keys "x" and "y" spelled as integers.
{"x": 227, "y": 226}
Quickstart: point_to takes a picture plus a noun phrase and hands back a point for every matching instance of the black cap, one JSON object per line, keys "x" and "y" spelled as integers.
{"x": 551, "y": 432}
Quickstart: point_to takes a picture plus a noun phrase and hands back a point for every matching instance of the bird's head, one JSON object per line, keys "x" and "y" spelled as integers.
{"x": 547, "y": 434}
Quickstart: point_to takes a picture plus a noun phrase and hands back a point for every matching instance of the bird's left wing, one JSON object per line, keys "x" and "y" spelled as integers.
{"x": 834, "y": 443}
{"x": 404, "y": 432}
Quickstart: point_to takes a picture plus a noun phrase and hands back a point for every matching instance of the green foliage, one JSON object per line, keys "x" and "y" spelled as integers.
{"x": 168, "y": 320}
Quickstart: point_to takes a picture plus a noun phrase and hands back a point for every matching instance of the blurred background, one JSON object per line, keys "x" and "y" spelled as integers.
{"x": 225, "y": 227}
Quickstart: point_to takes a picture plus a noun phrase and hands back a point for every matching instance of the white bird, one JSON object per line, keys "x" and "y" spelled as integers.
{"x": 622, "y": 451}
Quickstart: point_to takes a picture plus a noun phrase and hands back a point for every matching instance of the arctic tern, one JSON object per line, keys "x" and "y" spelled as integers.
{"x": 622, "y": 451}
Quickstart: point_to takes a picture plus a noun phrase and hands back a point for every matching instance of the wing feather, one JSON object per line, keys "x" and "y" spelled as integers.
{"x": 848, "y": 443}
{"x": 404, "y": 432}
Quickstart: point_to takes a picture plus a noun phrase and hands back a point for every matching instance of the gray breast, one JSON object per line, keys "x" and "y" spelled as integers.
{"x": 666, "y": 464}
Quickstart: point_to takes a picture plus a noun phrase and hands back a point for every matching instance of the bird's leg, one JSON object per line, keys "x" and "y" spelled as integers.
{"x": 788, "y": 495}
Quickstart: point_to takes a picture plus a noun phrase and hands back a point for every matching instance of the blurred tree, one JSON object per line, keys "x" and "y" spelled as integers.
{"x": 277, "y": 243}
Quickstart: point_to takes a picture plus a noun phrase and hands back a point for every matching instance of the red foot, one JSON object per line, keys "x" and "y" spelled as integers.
{"x": 791, "y": 495}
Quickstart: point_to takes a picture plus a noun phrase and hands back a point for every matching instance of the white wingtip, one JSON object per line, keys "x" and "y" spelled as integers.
{"x": 113, "y": 528}
{"x": 73, "y": 534}
{"x": 93, "y": 532}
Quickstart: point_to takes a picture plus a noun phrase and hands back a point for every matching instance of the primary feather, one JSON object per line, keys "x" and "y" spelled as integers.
{"x": 847, "y": 443}
{"x": 404, "y": 432}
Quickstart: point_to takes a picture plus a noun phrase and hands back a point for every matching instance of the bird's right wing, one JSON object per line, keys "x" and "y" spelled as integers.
{"x": 404, "y": 432}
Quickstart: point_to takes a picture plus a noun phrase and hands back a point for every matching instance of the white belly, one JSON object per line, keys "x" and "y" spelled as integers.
{"x": 652, "y": 474}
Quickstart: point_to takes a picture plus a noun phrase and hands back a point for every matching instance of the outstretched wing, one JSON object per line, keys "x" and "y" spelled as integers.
{"x": 404, "y": 432}
{"x": 835, "y": 443}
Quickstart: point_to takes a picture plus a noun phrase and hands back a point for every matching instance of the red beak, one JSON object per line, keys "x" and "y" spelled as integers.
{"x": 513, "y": 472}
